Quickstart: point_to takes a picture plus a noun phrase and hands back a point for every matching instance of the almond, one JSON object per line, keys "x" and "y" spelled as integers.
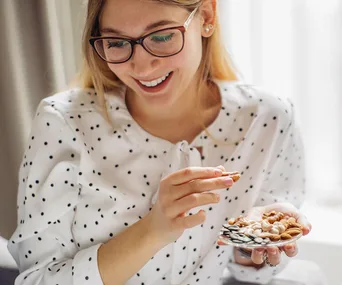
{"x": 235, "y": 177}
{"x": 293, "y": 232}
{"x": 285, "y": 236}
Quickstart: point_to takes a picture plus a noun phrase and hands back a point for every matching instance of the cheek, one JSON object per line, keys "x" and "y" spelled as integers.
{"x": 121, "y": 71}
{"x": 189, "y": 59}
{"x": 118, "y": 69}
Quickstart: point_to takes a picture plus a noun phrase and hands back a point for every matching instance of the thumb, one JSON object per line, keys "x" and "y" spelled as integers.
{"x": 221, "y": 167}
{"x": 302, "y": 219}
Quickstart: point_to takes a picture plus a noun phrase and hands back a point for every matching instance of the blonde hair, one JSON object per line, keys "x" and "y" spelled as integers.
{"x": 216, "y": 62}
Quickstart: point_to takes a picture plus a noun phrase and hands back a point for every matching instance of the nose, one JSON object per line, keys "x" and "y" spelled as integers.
{"x": 142, "y": 62}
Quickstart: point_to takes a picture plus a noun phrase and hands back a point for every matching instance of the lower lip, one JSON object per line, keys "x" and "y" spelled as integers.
{"x": 157, "y": 88}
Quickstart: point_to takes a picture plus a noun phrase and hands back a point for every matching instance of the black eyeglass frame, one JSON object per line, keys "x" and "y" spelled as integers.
{"x": 140, "y": 41}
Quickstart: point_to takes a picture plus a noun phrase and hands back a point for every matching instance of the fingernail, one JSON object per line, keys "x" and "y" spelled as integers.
{"x": 228, "y": 181}
{"x": 218, "y": 172}
{"x": 259, "y": 250}
{"x": 291, "y": 249}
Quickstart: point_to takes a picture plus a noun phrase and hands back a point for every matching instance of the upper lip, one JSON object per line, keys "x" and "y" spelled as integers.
{"x": 148, "y": 80}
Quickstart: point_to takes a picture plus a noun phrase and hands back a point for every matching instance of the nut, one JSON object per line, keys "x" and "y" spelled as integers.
{"x": 274, "y": 230}
{"x": 293, "y": 232}
{"x": 256, "y": 225}
{"x": 295, "y": 225}
{"x": 291, "y": 220}
{"x": 266, "y": 226}
{"x": 231, "y": 221}
{"x": 272, "y": 213}
{"x": 257, "y": 232}
{"x": 285, "y": 236}
{"x": 272, "y": 220}
{"x": 249, "y": 231}
{"x": 281, "y": 228}
{"x": 272, "y": 237}
{"x": 242, "y": 224}
{"x": 273, "y": 226}
{"x": 233, "y": 175}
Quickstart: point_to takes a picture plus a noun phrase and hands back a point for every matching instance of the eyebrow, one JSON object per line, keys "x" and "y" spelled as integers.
{"x": 148, "y": 28}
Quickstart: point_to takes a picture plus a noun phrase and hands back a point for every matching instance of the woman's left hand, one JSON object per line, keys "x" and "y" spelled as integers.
{"x": 273, "y": 253}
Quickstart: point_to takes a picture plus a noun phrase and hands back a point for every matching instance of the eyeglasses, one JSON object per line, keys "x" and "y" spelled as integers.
{"x": 162, "y": 43}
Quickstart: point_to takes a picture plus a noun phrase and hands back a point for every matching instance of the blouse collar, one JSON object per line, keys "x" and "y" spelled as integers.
{"x": 122, "y": 119}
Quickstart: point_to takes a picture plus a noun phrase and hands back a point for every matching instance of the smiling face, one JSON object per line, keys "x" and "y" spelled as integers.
{"x": 131, "y": 19}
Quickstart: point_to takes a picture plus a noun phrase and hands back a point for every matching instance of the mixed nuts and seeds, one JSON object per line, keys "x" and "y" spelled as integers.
{"x": 274, "y": 227}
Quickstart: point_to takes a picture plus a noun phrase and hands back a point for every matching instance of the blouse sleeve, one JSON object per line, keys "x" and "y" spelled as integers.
{"x": 283, "y": 180}
{"x": 43, "y": 245}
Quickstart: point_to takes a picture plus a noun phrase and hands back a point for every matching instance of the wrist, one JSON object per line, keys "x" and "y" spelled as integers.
{"x": 150, "y": 233}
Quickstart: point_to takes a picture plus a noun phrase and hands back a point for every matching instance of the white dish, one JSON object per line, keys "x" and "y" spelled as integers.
{"x": 280, "y": 243}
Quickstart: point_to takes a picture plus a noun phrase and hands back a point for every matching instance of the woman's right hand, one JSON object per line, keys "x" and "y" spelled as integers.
{"x": 180, "y": 192}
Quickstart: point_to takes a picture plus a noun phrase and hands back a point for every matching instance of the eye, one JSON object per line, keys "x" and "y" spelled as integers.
{"x": 116, "y": 44}
{"x": 162, "y": 38}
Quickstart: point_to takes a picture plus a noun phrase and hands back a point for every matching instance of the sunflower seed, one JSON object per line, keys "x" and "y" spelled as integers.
{"x": 252, "y": 236}
{"x": 237, "y": 241}
{"x": 234, "y": 236}
{"x": 258, "y": 240}
{"x": 233, "y": 228}
{"x": 245, "y": 239}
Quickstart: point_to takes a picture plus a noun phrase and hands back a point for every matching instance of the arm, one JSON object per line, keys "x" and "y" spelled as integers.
{"x": 43, "y": 244}
{"x": 282, "y": 181}
{"x": 124, "y": 255}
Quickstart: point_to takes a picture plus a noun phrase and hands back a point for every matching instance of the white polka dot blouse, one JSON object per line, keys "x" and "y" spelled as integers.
{"x": 83, "y": 180}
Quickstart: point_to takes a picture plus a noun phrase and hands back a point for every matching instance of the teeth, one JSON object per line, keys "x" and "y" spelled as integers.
{"x": 154, "y": 82}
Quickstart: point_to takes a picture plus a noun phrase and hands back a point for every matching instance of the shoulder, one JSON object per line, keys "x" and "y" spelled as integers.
{"x": 70, "y": 112}
{"x": 71, "y": 100}
{"x": 259, "y": 100}
{"x": 76, "y": 106}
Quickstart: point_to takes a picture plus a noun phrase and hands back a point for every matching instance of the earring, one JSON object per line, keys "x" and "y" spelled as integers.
{"x": 208, "y": 28}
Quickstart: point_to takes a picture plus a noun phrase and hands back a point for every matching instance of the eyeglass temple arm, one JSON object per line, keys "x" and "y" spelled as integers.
{"x": 186, "y": 24}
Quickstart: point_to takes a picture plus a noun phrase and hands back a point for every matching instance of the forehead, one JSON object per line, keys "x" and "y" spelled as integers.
{"x": 134, "y": 15}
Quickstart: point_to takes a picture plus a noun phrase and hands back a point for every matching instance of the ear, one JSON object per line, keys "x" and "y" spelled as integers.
{"x": 208, "y": 17}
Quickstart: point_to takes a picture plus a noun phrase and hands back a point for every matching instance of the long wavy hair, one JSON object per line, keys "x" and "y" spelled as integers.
{"x": 216, "y": 61}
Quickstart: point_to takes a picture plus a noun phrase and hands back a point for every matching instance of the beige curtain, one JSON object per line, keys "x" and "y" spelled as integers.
{"x": 40, "y": 48}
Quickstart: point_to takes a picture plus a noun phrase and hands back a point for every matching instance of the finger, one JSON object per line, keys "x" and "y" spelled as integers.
{"x": 273, "y": 255}
{"x": 200, "y": 185}
{"x": 291, "y": 250}
{"x": 190, "y": 173}
{"x": 191, "y": 201}
{"x": 258, "y": 255}
{"x": 302, "y": 219}
{"x": 242, "y": 256}
{"x": 190, "y": 221}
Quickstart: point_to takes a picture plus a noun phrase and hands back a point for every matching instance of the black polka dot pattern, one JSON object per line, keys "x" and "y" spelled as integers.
{"x": 79, "y": 177}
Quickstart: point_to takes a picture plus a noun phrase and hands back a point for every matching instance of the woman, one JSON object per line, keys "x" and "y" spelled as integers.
{"x": 122, "y": 181}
